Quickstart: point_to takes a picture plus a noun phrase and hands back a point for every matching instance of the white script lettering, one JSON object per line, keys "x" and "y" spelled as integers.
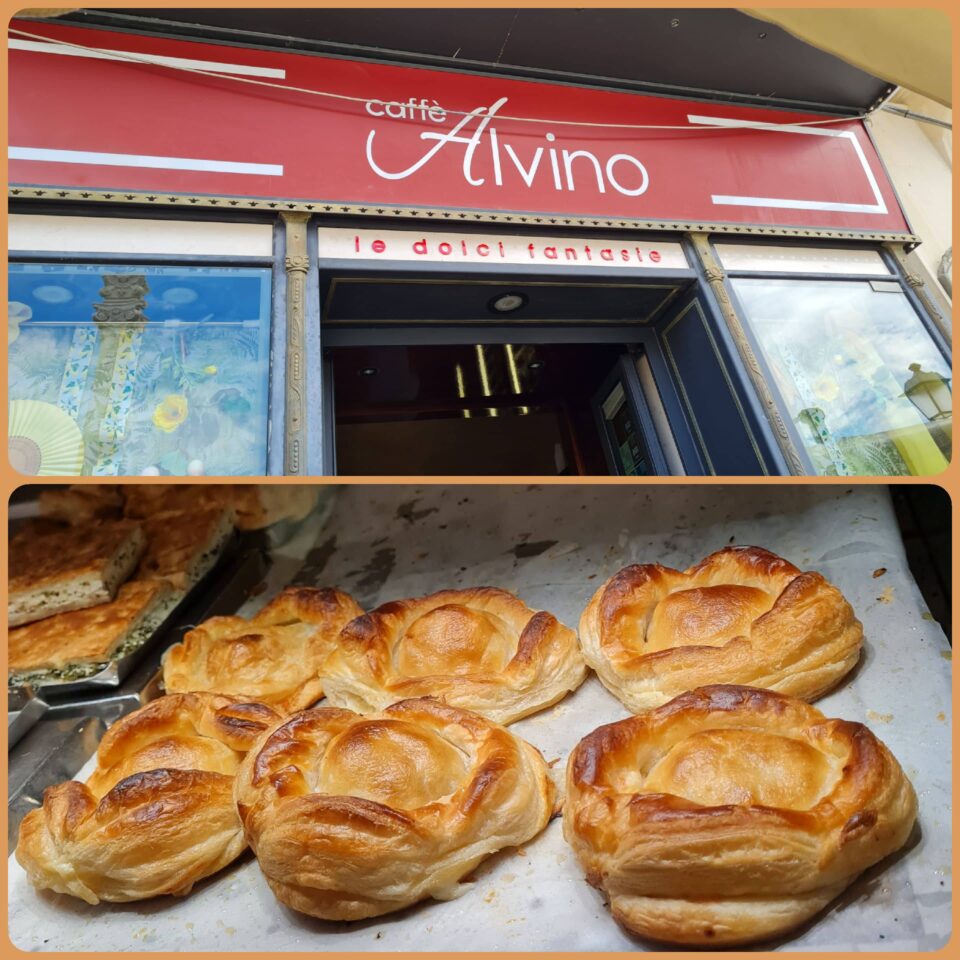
{"x": 604, "y": 173}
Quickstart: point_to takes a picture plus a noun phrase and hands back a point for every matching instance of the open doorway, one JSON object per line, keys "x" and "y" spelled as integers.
{"x": 530, "y": 371}
{"x": 485, "y": 409}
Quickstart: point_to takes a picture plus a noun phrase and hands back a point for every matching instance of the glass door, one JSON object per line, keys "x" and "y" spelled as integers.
{"x": 627, "y": 432}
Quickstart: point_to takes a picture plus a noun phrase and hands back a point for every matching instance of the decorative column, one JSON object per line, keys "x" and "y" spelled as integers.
{"x": 120, "y": 320}
{"x": 716, "y": 277}
{"x": 913, "y": 277}
{"x": 296, "y": 265}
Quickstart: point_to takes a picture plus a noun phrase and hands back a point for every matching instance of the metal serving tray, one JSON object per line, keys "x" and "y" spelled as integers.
{"x": 114, "y": 673}
{"x": 24, "y": 709}
{"x": 166, "y": 618}
{"x": 553, "y": 545}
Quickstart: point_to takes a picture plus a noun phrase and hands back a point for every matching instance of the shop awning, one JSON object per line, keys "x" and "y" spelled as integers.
{"x": 719, "y": 54}
{"x": 909, "y": 47}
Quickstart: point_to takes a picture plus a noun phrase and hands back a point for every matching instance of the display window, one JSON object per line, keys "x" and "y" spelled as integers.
{"x": 861, "y": 378}
{"x": 120, "y": 369}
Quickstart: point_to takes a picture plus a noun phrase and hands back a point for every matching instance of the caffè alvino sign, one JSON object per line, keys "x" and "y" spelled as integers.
{"x": 557, "y": 163}
{"x": 344, "y": 136}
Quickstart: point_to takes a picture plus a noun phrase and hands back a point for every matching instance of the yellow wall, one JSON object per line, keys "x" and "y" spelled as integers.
{"x": 919, "y": 159}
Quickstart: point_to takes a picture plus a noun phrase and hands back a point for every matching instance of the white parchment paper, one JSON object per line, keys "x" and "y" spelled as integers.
{"x": 553, "y": 546}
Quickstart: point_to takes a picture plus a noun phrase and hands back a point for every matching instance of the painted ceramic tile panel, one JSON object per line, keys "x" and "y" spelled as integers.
{"x": 164, "y": 369}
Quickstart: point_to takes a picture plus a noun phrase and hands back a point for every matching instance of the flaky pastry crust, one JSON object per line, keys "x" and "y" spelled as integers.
{"x": 354, "y": 816}
{"x": 731, "y": 814}
{"x": 183, "y": 546}
{"x": 274, "y": 657}
{"x": 91, "y": 635}
{"x": 157, "y": 814}
{"x": 743, "y": 615}
{"x": 481, "y": 649}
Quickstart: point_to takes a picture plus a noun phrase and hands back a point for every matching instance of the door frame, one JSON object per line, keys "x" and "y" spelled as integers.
{"x": 627, "y": 335}
{"x": 624, "y": 373}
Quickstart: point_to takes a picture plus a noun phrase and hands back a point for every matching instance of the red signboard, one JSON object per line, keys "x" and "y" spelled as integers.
{"x": 82, "y": 116}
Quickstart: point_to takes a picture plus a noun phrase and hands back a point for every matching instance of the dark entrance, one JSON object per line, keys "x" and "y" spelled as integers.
{"x": 486, "y": 408}
{"x": 538, "y": 372}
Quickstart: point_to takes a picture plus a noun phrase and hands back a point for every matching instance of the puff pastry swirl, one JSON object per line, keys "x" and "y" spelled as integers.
{"x": 274, "y": 657}
{"x": 354, "y": 816}
{"x": 481, "y": 649}
{"x": 731, "y": 814}
{"x": 743, "y": 615}
{"x": 157, "y": 814}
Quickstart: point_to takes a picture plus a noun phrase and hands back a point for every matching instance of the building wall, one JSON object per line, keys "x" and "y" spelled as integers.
{"x": 919, "y": 159}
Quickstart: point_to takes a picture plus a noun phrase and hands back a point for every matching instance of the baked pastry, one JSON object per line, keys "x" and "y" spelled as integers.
{"x": 274, "y": 657}
{"x": 353, "y": 817}
{"x": 91, "y": 635}
{"x": 742, "y": 615}
{"x": 256, "y": 505}
{"x": 69, "y": 569}
{"x": 79, "y": 504}
{"x": 185, "y": 545}
{"x": 481, "y": 649}
{"x": 157, "y": 814}
{"x": 260, "y": 505}
{"x": 731, "y": 814}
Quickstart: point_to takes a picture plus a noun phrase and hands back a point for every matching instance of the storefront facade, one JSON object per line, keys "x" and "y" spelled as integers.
{"x": 310, "y": 265}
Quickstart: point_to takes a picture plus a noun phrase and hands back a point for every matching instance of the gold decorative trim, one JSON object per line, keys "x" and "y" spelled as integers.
{"x": 439, "y": 214}
{"x": 296, "y": 263}
{"x": 716, "y": 278}
{"x": 920, "y": 288}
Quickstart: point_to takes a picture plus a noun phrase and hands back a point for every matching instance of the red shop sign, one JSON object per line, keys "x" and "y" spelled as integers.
{"x": 418, "y": 138}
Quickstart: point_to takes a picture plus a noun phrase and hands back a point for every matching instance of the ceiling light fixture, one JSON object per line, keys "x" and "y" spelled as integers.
{"x": 367, "y": 372}
{"x": 508, "y": 302}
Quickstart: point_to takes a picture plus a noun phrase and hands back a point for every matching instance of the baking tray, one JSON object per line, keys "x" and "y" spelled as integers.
{"x": 114, "y": 673}
{"x": 553, "y": 546}
{"x": 24, "y": 709}
{"x": 167, "y": 616}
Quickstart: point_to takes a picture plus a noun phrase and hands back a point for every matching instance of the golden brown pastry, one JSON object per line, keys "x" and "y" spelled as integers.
{"x": 67, "y": 569}
{"x": 274, "y": 657}
{"x": 80, "y": 504}
{"x": 480, "y": 649}
{"x": 183, "y": 546}
{"x": 157, "y": 814}
{"x": 255, "y": 505}
{"x": 731, "y": 814}
{"x": 92, "y": 635}
{"x": 354, "y": 817}
{"x": 743, "y": 615}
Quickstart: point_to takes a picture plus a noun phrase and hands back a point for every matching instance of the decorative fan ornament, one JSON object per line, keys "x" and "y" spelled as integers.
{"x": 42, "y": 440}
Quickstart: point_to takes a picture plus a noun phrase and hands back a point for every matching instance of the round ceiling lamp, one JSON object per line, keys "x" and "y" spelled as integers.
{"x": 508, "y": 302}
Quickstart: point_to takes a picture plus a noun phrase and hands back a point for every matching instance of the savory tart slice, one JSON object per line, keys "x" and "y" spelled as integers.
{"x": 91, "y": 635}
{"x": 183, "y": 546}
{"x": 58, "y": 571}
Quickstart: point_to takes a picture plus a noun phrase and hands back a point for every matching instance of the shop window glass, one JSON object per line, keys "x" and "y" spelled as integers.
{"x": 139, "y": 370}
{"x": 862, "y": 380}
